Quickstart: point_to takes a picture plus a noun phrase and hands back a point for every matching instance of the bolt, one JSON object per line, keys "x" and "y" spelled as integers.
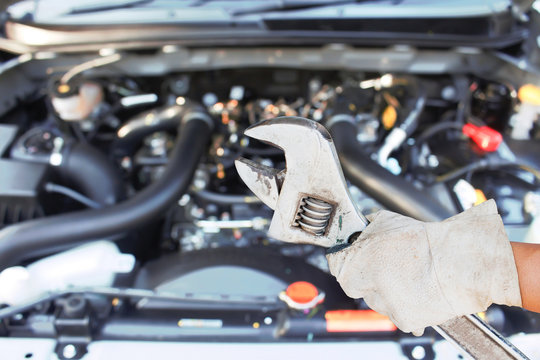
{"x": 432, "y": 160}
{"x": 87, "y": 125}
{"x": 125, "y": 163}
{"x": 184, "y": 200}
{"x": 418, "y": 352}
{"x": 449, "y": 93}
{"x": 69, "y": 351}
{"x": 209, "y": 99}
{"x": 268, "y": 320}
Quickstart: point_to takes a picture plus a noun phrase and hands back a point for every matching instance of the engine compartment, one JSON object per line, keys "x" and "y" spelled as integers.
{"x": 145, "y": 158}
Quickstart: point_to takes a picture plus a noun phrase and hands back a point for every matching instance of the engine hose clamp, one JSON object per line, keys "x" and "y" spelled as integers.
{"x": 340, "y": 118}
{"x": 56, "y": 157}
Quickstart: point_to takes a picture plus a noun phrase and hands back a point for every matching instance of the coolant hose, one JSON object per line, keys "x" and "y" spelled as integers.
{"x": 91, "y": 173}
{"x": 131, "y": 134}
{"x": 78, "y": 165}
{"x": 391, "y": 191}
{"x": 43, "y": 236}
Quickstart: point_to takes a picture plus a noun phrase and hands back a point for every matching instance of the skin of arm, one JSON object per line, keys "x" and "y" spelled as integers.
{"x": 527, "y": 257}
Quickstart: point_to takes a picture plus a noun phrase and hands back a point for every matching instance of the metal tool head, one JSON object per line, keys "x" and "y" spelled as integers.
{"x": 310, "y": 198}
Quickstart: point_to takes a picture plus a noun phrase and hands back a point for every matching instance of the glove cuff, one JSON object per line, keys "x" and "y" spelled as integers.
{"x": 505, "y": 282}
{"x": 476, "y": 265}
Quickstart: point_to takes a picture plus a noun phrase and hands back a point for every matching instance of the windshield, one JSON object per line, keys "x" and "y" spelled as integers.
{"x": 217, "y": 11}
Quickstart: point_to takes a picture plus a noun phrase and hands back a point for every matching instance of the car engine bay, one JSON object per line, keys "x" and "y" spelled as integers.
{"x": 122, "y": 216}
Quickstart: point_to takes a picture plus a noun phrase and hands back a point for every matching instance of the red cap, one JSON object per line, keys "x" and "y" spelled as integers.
{"x": 302, "y": 292}
{"x": 485, "y": 137}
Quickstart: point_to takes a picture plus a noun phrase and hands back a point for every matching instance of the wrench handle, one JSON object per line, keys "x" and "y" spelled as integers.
{"x": 478, "y": 340}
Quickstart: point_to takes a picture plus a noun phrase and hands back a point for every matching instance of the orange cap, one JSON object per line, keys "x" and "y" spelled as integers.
{"x": 302, "y": 292}
{"x": 529, "y": 94}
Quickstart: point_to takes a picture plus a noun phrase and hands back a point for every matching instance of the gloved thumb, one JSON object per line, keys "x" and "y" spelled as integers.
{"x": 371, "y": 216}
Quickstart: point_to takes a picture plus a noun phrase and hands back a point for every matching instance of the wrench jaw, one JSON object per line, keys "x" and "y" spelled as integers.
{"x": 262, "y": 180}
{"x": 312, "y": 205}
{"x": 281, "y": 132}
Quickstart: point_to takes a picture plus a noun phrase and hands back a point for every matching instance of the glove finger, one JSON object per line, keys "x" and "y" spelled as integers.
{"x": 384, "y": 220}
{"x": 376, "y": 304}
{"x": 348, "y": 266}
{"x": 373, "y": 215}
{"x": 418, "y": 332}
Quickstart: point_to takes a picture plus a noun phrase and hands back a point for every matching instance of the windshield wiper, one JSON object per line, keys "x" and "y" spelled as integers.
{"x": 290, "y": 5}
{"x": 106, "y": 6}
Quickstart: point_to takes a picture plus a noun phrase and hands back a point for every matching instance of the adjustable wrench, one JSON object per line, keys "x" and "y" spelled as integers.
{"x": 312, "y": 205}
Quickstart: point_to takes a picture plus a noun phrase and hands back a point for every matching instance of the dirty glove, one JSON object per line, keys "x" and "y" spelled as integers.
{"x": 422, "y": 274}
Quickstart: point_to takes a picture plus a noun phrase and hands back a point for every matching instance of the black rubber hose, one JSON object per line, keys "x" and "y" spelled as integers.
{"x": 226, "y": 199}
{"x": 90, "y": 172}
{"x": 82, "y": 166}
{"x": 43, "y": 236}
{"x": 391, "y": 191}
{"x": 131, "y": 134}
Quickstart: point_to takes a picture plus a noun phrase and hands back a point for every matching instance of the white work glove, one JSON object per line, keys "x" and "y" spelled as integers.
{"x": 422, "y": 274}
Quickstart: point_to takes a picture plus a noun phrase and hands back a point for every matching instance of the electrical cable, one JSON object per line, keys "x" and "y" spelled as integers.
{"x": 484, "y": 164}
{"x": 77, "y": 196}
{"x": 437, "y": 128}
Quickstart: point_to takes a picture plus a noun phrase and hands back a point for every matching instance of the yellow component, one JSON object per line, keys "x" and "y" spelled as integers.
{"x": 480, "y": 197}
{"x": 225, "y": 118}
{"x": 529, "y": 94}
{"x": 389, "y": 117}
{"x": 115, "y": 302}
{"x": 352, "y": 107}
{"x": 482, "y": 315}
{"x": 256, "y": 325}
{"x": 220, "y": 171}
{"x": 180, "y": 323}
{"x": 63, "y": 88}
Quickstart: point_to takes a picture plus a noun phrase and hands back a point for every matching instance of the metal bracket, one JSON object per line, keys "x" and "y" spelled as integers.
{"x": 73, "y": 328}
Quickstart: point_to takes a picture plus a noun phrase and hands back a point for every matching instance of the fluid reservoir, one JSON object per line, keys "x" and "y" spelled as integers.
{"x": 75, "y": 102}
{"x": 91, "y": 265}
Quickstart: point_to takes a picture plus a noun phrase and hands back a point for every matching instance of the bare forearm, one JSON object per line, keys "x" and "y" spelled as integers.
{"x": 527, "y": 257}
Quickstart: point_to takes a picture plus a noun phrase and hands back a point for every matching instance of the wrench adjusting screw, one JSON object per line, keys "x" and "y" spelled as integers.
{"x": 313, "y": 215}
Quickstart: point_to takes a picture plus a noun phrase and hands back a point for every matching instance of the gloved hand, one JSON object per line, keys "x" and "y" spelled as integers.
{"x": 422, "y": 274}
